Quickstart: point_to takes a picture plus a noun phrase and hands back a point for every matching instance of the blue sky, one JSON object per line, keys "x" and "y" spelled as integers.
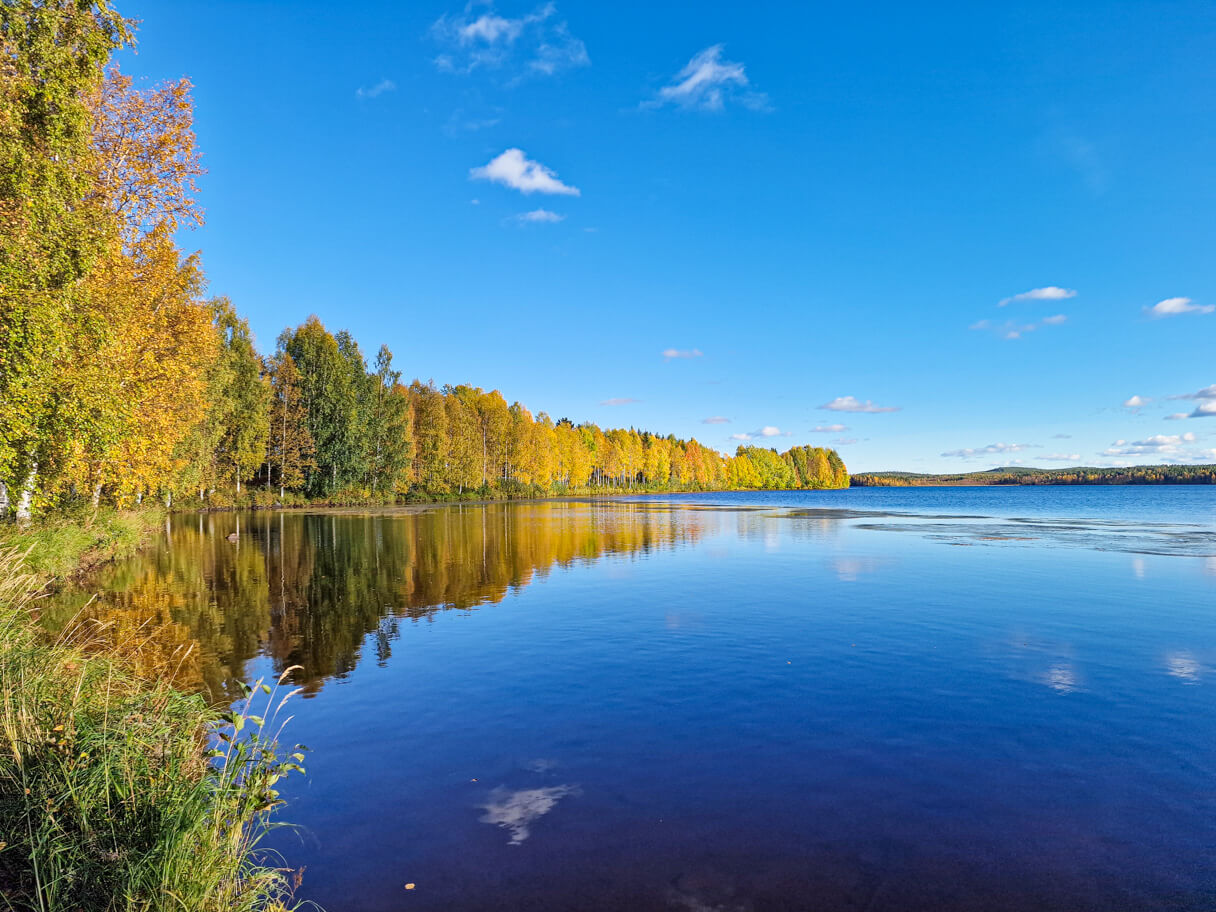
{"x": 974, "y": 230}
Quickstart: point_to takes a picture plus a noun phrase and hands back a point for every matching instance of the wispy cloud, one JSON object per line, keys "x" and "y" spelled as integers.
{"x": 707, "y": 83}
{"x": 384, "y": 85}
{"x": 1061, "y": 436}
{"x": 1061, "y": 457}
{"x": 852, "y": 404}
{"x": 761, "y": 433}
{"x": 1206, "y": 407}
{"x": 560, "y": 51}
{"x": 1172, "y": 307}
{"x": 1082, "y": 156}
{"x": 670, "y": 353}
{"x": 1046, "y": 293}
{"x": 1136, "y": 402}
{"x": 1013, "y": 329}
{"x": 1208, "y": 392}
{"x": 991, "y": 449}
{"x": 829, "y": 429}
{"x": 460, "y": 122}
{"x": 538, "y": 43}
{"x": 539, "y": 216}
{"x": 716, "y": 419}
{"x": 844, "y": 441}
{"x": 515, "y": 170}
{"x": 620, "y": 401}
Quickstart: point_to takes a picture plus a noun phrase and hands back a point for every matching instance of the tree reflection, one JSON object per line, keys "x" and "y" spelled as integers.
{"x": 325, "y": 591}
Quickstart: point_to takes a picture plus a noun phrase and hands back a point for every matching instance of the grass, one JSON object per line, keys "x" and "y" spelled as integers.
{"x": 79, "y": 538}
{"x": 119, "y": 793}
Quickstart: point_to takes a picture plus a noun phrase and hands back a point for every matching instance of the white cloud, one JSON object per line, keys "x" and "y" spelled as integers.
{"x": 852, "y": 404}
{"x": 740, "y": 436}
{"x": 619, "y": 401}
{"x": 716, "y": 419}
{"x": 539, "y": 216}
{"x": 1157, "y": 445}
{"x": 1204, "y": 410}
{"x": 1172, "y": 307}
{"x": 1136, "y": 402}
{"x": 707, "y": 82}
{"x": 1055, "y": 320}
{"x": 1061, "y": 457}
{"x": 536, "y": 43}
{"x": 384, "y": 85}
{"x": 991, "y": 449}
{"x": 829, "y": 429}
{"x": 515, "y": 170}
{"x": 1047, "y": 293}
{"x": 1177, "y": 416}
{"x": 670, "y": 353}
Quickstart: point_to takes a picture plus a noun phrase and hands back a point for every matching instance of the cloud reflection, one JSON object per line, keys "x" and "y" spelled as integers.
{"x": 1061, "y": 678}
{"x": 850, "y": 569}
{"x": 1184, "y": 666}
{"x": 516, "y": 811}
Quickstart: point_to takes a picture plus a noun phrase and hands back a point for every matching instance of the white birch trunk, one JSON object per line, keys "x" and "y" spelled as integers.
{"x": 25, "y": 503}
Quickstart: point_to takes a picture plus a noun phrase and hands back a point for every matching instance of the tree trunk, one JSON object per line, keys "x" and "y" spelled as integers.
{"x": 24, "y": 504}
{"x": 168, "y": 500}
{"x": 96, "y": 495}
{"x": 238, "y": 486}
{"x": 3, "y": 501}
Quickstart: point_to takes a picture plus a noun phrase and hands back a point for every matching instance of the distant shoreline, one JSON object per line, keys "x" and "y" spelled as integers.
{"x": 1011, "y": 476}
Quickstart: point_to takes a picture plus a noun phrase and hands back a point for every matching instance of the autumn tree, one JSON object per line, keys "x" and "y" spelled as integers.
{"x": 51, "y": 60}
{"x": 289, "y": 453}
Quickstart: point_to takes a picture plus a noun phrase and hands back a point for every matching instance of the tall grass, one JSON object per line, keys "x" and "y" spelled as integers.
{"x": 121, "y": 793}
{"x": 79, "y": 536}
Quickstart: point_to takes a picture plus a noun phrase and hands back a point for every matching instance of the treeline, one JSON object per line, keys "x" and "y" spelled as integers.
{"x": 1017, "y": 475}
{"x": 120, "y": 379}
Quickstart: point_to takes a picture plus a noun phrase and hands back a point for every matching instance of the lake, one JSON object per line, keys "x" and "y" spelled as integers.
{"x": 897, "y": 699}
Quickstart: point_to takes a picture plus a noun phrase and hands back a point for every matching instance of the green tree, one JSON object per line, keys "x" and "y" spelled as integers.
{"x": 289, "y": 444}
{"x": 242, "y": 401}
{"x": 389, "y": 441}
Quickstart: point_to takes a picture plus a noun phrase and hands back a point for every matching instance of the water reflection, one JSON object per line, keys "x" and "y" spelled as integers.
{"x": 1183, "y": 665}
{"x": 308, "y": 589}
{"x": 516, "y": 811}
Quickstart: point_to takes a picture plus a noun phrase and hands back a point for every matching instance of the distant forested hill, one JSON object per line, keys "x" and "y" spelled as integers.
{"x": 1022, "y": 475}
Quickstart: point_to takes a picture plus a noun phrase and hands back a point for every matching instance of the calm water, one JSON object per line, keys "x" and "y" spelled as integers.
{"x": 910, "y": 699}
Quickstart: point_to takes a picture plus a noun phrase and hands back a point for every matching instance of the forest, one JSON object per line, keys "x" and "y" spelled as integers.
{"x": 121, "y": 379}
{"x": 1021, "y": 475}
